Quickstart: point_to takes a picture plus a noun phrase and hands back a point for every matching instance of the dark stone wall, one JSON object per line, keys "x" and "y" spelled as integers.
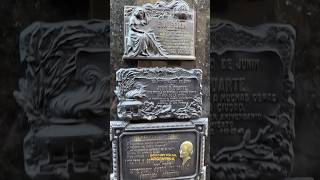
{"x": 15, "y": 15}
{"x": 304, "y": 16}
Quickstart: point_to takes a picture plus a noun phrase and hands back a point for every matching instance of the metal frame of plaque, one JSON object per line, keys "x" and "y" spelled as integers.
{"x": 262, "y": 146}
{"x": 119, "y": 130}
{"x": 159, "y": 93}
{"x": 160, "y": 31}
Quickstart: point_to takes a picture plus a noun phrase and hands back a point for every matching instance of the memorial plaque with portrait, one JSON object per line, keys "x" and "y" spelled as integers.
{"x": 159, "y": 93}
{"x": 160, "y": 31}
{"x": 159, "y": 150}
{"x": 252, "y": 107}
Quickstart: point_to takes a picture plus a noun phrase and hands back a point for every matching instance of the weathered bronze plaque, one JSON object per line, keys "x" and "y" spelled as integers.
{"x": 164, "y": 30}
{"x": 159, "y": 93}
{"x": 252, "y": 108}
{"x": 158, "y": 150}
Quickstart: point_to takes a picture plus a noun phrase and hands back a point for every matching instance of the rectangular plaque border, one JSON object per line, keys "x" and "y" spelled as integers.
{"x": 168, "y": 57}
{"x": 118, "y": 128}
{"x": 126, "y": 77}
{"x": 159, "y": 132}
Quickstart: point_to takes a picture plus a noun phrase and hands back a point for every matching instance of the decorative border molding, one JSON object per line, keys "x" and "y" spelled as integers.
{"x": 146, "y": 109}
{"x": 117, "y": 128}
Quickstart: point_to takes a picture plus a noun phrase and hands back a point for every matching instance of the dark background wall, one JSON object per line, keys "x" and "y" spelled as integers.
{"x": 304, "y": 16}
{"x": 15, "y": 15}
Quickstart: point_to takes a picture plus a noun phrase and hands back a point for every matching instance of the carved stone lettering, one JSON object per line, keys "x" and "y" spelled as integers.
{"x": 164, "y": 30}
{"x": 252, "y": 108}
{"x": 159, "y": 93}
{"x": 159, "y": 150}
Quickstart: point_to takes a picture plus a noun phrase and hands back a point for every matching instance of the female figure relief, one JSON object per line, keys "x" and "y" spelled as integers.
{"x": 142, "y": 41}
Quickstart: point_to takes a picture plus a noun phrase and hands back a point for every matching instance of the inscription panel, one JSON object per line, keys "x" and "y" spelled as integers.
{"x": 252, "y": 109}
{"x": 164, "y": 30}
{"x": 158, "y": 155}
{"x": 159, "y": 93}
{"x": 168, "y": 150}
{"x": 246, "y": 87}
{"x": 178, "y": 92}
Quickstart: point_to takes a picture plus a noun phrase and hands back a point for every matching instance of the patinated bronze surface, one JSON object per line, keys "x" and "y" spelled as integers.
{"x": 164, "y": 30}
{"x": 171, "y": 145}
{"x": 159, "y": 93}
{"x": 159, "y": 150}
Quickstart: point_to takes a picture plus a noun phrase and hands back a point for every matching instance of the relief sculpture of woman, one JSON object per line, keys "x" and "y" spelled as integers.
{"x": 141, "y": 40}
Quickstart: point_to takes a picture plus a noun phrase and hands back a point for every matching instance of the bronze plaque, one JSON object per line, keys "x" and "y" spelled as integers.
{"x": 156, "y": 155}
{"x": 252, "y": 107}
{"x": 164, "y": 30}
{"x": 170, "y": 150}
{"x": 159, "y": 93}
